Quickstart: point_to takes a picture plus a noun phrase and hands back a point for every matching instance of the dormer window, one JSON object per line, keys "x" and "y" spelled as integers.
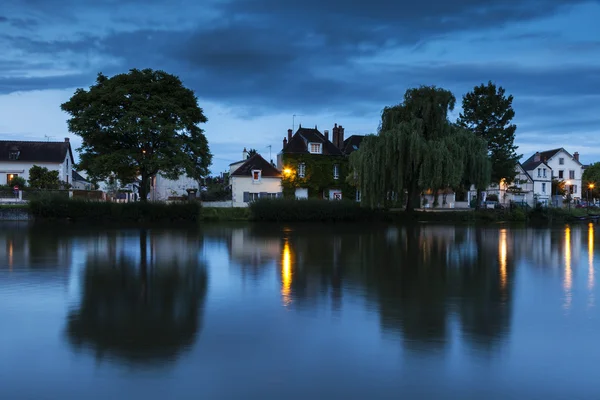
{"x": 14, "y": 155}
{"x": 256, "y": 175}
{"x": 315, "y": 148}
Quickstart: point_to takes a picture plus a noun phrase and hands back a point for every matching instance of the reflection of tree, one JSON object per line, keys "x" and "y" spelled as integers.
{"x": 140, "y": 311}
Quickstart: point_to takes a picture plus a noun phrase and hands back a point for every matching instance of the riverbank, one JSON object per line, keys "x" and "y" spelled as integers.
{"x": 272, "y": 211}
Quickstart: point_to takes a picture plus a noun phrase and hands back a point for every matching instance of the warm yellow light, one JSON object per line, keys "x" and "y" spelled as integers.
{"x": 287, "y": 171}
{"x": 502, "y": 251}
{"x": 568, "y": 273}
{"x": 286, "y": 274}
{"x": 591, "y": 185}
{"x": 590, "y": 256}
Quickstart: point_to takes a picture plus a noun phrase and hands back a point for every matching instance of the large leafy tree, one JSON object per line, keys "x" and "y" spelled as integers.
{"x": 42, "y": 178}
{"x": 591, "y": 175}
{"x": 417, "y": 148}
{"x": 139, "y": 124}
{"x": 488, "y": 112}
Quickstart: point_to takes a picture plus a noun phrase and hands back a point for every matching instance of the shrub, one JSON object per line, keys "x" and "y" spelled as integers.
{"x": 225, "y": 214}
{"x": 309, "y": 210}
{"x": 57, "y": 207}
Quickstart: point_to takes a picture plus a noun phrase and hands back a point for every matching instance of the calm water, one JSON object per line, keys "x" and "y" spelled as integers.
{"x": 299, "y": 312}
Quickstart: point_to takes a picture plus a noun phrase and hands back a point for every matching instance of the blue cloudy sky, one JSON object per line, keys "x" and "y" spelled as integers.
{"x": 255, "y": 63}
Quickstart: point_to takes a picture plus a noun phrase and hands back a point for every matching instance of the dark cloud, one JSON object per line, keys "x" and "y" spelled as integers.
{"x": 16, "y": 84}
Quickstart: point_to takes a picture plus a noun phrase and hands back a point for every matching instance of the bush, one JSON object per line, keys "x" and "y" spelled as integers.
{"x": 57, "y": 207}
{"x": 225, "y": 214}
{"x": 309, "y": 210}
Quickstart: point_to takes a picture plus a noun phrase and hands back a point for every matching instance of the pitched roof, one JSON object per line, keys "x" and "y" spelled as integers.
{"x": 548, "y": 154}
{"x": 531, "y": 164}
{"x": 77, "y": 177}
{"x": 352, "y": 143}
{"x": 257, "y": 162}
{"x": 303, "y": 136}
{"x": 52, "y": 152}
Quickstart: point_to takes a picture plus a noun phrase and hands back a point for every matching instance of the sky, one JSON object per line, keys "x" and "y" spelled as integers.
{"x": 254, "y": 64}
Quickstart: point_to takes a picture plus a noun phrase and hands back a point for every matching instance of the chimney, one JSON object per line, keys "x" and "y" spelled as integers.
{"x": 335, "y": 134}
{"x": 326, "y": 133}
{"x": 576, "y": 156}
{"x": 244, "y": 154}
{"x": 340, "y": 137}
{"x": 284, "y": 142}
{"x": 537, "y": 156}
{"x": 289, "y": 135}
{"x": 67, "y": 141}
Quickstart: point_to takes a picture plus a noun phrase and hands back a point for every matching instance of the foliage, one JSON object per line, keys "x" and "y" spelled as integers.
{"x": 18, "y": 181}
{"x": 139, "y": 123}
{"x": 591, "y": 175}
{"x": 225, "y": 214}
{"x": 417, "y": 148}
{"x": 251, "y": 152}
{"x": 318, "y": 175}
{"x": 558, "y": 187}
{"x": 57, "y": 207}
{"x": 488, "y": 113}
{"x": 42, "y": 178}
{"x": 308, "y": 210}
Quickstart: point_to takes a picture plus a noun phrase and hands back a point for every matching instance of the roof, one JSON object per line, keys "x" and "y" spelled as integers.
{"x": 303, "y": 136}
{"x": 546, "y": 155}
{"x": 525, "y": 171}
{"x": 50, "y": 152}
{"x": 77, "y": 177}
{"x": 352, "y": 143}
{"x": 531, "y": 165}
{"x": 257, "y": 162}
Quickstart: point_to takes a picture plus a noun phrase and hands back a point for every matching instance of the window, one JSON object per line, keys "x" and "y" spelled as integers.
{"x": 358, "y": 195}
{"x": 301, "y": 170}
{"x": 561, "y": 161}
{"x": 10, "y": 177}
{"x": 561, "y": 174}
{"x": 336, "y": 171}
{"x": 13, "y": 155}
{"x": 544, "y": 172}
{"x": 543, "y": 188}
{"x": 256, "y": 175}
{"x": 539, "y": 172}
{"x": 315, "y": 148}
{"x": 571, "y": 174}
{"x": 574, "y": 189}
{"x": 254, "y": 196}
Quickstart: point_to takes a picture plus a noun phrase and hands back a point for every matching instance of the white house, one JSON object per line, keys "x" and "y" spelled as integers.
{"x": 79, "y": 182}
{"x": 565, "y": 167}
{"x": 253, "y": 178}
{"x": 162, "y": 188}
{"x": 17, "y": 158}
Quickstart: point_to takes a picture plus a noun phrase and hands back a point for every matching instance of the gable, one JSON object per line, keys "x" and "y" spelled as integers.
{"x": 304, "y": 136}
{"x": 256, "y": 162}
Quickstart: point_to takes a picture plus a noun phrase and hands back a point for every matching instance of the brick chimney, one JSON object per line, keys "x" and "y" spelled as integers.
{"x": 576, "y": 156}
{"x": 67, "y": 141}
{"x": 335, "y": 134}
{"x": 244, "y": 154}
{"x": 289, "y": 135}
{"x": 340, "y": 137}
{"x": 537, "y": 156}
{"x": 285, "y": 142}
{"x": 326, "y": 133}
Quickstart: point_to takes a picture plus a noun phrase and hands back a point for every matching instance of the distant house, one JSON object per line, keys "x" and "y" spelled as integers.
{"x": 253, "y": 178}
{"x": 314, "y": 166}
{"x": 79, "y": 182}
{"x": 565, "y": 167}
{"x": 17, "y": 158}
{"x": 162, "y": 188}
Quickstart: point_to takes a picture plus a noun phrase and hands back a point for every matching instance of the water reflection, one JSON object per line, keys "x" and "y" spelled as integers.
{"x": 568, "y": 281}
{"x": 141, "y": 302}
{"x": 286, "y": 274}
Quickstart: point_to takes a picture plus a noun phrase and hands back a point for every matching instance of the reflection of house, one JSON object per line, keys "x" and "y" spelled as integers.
{"x": 253, "y": 178}
{"x": 17, "y": 157}
{"x": 247, "y": 248}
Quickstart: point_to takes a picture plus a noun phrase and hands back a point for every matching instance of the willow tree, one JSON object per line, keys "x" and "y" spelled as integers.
{"x": 417, "y": 148}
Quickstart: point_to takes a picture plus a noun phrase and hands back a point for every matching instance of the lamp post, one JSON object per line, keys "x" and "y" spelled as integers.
{"x": 590, "y": 188}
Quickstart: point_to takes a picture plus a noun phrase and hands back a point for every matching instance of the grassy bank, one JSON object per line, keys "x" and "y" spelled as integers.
{"x": 311, "y": 210}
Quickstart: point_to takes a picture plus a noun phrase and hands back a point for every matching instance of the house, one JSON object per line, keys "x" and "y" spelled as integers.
{"x": 532, "y": 185}
{"x": 565, "y": 167}
{"x": 253, "y": 178}
{"x": 17, "y": 158}
{"x": 314, "y": 166}
{"x": 162, "y": 188}
{"x": 79, "y": 182}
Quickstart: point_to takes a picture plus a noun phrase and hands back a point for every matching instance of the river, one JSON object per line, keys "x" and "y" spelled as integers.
{"x": 308, "y": 311}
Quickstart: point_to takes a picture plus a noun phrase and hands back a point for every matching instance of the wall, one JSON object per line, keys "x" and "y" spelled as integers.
{"x": 166, "y": 188}
{"x": 570, "y": 164}
{"x": 241, "y": 184}
{"x": 22, "y": 169}
{"x": 218, "y": 204}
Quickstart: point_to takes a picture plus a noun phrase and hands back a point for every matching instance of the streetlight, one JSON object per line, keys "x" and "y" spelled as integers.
{"x": 590, "y": 188}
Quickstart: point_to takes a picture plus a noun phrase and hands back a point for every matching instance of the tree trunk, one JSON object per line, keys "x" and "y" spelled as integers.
{"x": 144, "y": 187}
{"x": 413, "y": 198}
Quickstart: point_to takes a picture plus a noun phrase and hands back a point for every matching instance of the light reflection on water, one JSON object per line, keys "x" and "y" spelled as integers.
{"x": 333, "y": 312}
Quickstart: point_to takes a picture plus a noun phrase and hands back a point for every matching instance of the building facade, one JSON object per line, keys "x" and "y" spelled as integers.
{"x": 253, "y": 178}
{"x": 17, "y": 158}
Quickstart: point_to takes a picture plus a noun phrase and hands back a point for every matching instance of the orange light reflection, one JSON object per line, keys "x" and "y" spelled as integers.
{"x": 286, "y": 274}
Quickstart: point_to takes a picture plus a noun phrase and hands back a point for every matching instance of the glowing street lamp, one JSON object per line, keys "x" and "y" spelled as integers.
{"x": 590, "y": 188}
